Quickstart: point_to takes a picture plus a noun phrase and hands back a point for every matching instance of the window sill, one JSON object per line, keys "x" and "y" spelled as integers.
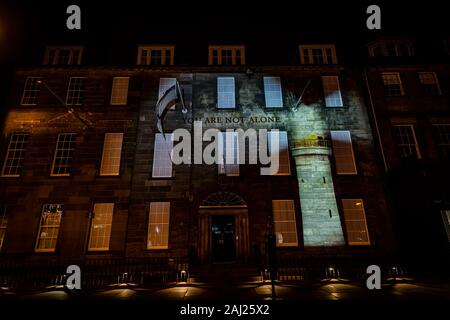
{"x": 98, "y": 251}
{"x": 147, "y": 250}
{"x": 103, "y": 176}
{"x": 44, "y": 252}
{"x": 162, "y": 178}
{"x": 275, "y": 108}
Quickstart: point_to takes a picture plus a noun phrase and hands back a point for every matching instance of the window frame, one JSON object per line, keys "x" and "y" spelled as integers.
{"x": 360, "y": 203}
{"x": 441, "y": 144}
{"x": 287, "y": 152}
{"x": 81, "y": 92}
{"x": 35, "y": 91}
{"x": 57, "y": 50}
{"x": 166, "y": 207}
{"x": 109, "y": 212}
{"x": 436, "y": 83}
{"x": 218, "y": 49}
{"x": 119, "y": 91}
{"x": 219, "y": 93}
{"x": 310, "y": 56}
{"x": 397, "y": 75}
{"x": 326, "y": 85}
{"x": 22, "y": 152}
{"x": 416, "y": 145}
{"x": 294, "y": 222}
{"x": 266, "y": 83}
{"x": 334, "y": 143}
{"x": 168, "y": 137}
{"x": 232, "y": 169}
{"x": 56, "y": 151}
{"x": 150, "y": 48}
{"x": 58, "y": 227}
{"x": 383, "y": 45}
{"x": 112, "y": 136}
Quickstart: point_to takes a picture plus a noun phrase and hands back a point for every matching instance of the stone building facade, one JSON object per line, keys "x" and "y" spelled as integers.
{"x": 329, "y": 198}
{"x": 408, "y": 88}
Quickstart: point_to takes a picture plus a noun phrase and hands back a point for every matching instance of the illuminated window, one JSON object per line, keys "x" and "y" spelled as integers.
{"x": 101, "y": 227}
{"x": 392, "y": 84}
{"x": 15, "y": 154}
{"x": 3, "y": 224}
{"x": 119, "y": 92}
{"x": 284, "y": 166}
{"x": 75, "y": 91}
{"x": 226, "y": 93}
{"x": 158, "y": 225}
{"x": 430, "y": 83}
{"x": 343, "y": 152}
{"x": 406, "y": 141}
{"x": 228, "y": 146}
{"x": 332, "y": 91}
{"x": 62, "y": 161}
{"x": 162, "y": 156}
{"x": 226, "y": 55}
{"x": 31, "y": 91}
{"x": 112, "y": 150}
{"x": 272, "y": 91}
{"x": 63, "y": 55}
{"x": 442, "y": 132}
{"x": 164, "y": 85}
{"x": 355, "y": 222}
{"x": 155, "y": 55}
{"x": 49, "y": 227}
{"x": 317, "y": 54}
{"x": 284, "y": 223}
{"x": 446, "y": 220}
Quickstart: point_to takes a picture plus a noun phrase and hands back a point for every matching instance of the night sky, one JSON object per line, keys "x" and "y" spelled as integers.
{"x": 27, "y": 26}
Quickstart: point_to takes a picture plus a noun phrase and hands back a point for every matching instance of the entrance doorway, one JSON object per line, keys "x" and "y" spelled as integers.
{"x": 223, "y": 238}
{"x": 223, "y": 228}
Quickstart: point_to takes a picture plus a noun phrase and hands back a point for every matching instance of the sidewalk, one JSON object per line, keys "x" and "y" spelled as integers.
{"x": 251, "y": 291}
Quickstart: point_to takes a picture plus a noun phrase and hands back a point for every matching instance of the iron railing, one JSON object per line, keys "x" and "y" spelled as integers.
{"x": 95, "y": 273}
{"x": 315, "y": 268}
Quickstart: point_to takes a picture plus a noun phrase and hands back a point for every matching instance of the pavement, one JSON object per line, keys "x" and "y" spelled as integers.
{"x": 242, "y": 283}
{"x": 250, "y": 291}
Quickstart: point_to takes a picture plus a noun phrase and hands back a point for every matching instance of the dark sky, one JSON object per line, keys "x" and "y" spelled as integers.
{"x": 116, "y": 26}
